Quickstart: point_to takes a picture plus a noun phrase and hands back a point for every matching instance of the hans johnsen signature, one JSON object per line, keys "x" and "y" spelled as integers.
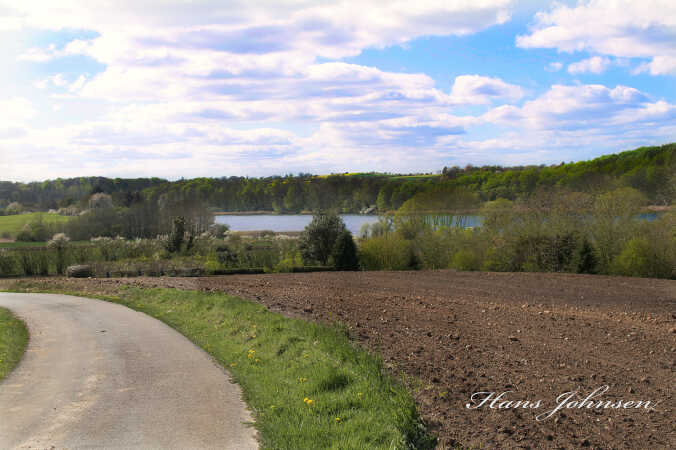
{"x": 567, "y": 400}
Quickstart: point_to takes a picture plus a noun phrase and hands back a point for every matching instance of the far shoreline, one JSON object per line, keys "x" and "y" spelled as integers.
{"x": 273, "y": 213}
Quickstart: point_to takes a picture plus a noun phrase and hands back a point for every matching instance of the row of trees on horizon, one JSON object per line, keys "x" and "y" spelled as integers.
{"x": 649, "y": 170}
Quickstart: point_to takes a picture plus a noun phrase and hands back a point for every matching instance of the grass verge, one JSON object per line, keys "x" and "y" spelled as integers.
{"x": 307, "y": 385}
{"x": 13, "y": 341}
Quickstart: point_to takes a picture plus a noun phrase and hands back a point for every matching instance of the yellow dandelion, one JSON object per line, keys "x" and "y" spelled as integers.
{"x": 309, "y": 402}
{"x": 338, "y": 419}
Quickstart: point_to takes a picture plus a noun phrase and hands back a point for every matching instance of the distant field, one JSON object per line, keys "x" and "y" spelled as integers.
{"x": 21, "y": 244}
{"x": 414, "y": 177}
{"x": 34, "y": 244}
{"x": 10, "y": 226}
{"x": 420, "y": 176}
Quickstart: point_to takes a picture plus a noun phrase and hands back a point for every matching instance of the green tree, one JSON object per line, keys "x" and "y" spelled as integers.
{"x": 319, "y": 238}
{"x": 176, "y": 236}
{"x": 60, "y": 243}
{"x": 344, "y": 254}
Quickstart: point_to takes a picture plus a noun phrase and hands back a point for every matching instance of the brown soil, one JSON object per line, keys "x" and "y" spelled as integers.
{"x": 456, "y": 333}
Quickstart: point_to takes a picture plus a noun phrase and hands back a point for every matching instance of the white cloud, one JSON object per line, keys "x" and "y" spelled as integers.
{"x": 554, "y": 67}
{"x": 476, "y": 89}
{"x": 595, "y": 65}
{"x": 15, "y": 111}
{"x": 57, "y": 80}
{"x": 238, "y": 26}
{"x": 660, "y": 65}
{"x": 594, "y": 109}
{"x": 620, "y": 28}
{"x": 244, "y": 87}
{"x": 38, "y": 54}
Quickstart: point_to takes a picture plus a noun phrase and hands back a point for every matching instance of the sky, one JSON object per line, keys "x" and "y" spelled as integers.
{"x": 190, "y": 88}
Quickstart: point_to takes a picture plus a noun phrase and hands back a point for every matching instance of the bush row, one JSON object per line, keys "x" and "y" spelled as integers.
{"x": 573, "y": 233}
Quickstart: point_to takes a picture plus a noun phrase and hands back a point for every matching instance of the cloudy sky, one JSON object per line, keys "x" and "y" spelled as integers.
{"x": 183, "y": 88}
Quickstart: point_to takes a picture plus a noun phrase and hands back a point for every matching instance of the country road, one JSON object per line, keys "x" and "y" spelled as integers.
{"x": 100, "y": 375}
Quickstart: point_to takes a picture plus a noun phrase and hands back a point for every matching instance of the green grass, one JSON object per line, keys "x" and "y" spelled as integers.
{"x": 13, "y": 340}
{"x": 12, "y": 225}
{"x": 281, "y": 364}
{"x": 34, "y": 244}
{"x": 22, "y": 244}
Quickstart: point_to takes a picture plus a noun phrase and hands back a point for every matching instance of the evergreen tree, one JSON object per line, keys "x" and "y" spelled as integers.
{"x": 344, "y": 254}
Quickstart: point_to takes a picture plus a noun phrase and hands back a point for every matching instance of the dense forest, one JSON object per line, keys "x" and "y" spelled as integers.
{"x": 650, "y": 170}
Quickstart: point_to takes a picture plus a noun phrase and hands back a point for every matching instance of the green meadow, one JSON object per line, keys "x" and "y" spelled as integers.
{"x": 10, "y": 226}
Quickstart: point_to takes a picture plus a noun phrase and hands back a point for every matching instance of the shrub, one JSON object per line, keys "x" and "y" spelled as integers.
{"x": 587, "y": 260}
{"x": 60, "y": 243}
{"x": 466, "y": 260}
{"x": 7, "y": 263}
{"x": 559, "y": 253}
{"x": 500, "y": 257}
{"x": 14, "y": 208}
{"x": 498, "y": 214}
{"x": 389, "y": 252}
{"x": 434, "y": 249}
{"x": 289, "y": 263}
{"x": 642, "y": 258}
{"x": 226, "y": 256}
{"x": 613, "y": 223}
{"x": 176, "y": 236}
{"x": 211, "y": 266}
{"x": 411, "y": 225}
{"x": 33, "y": 262}
{"x": 344, "y": 254}
{"x": 219, "y": 230}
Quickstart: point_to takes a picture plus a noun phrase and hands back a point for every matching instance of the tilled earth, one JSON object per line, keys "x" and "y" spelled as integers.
{"x": 452, "y": 334}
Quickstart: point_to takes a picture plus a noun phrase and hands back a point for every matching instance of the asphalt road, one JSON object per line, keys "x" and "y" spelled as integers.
{"x": 100, "y": 375}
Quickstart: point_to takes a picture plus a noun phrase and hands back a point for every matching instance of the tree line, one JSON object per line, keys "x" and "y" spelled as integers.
{"x": 650, "y": 170}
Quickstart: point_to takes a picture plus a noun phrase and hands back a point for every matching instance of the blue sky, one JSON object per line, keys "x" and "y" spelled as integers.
{"x": 184, "y": 89}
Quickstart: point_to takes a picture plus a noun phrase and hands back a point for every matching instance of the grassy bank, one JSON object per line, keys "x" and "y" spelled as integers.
{"x": 306, "y": 384}
{"x": 13, "y": 340}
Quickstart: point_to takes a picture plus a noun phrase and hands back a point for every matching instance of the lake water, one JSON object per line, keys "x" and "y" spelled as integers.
{"x": 353, "y": 222}
{"x": 287, "y": 222}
